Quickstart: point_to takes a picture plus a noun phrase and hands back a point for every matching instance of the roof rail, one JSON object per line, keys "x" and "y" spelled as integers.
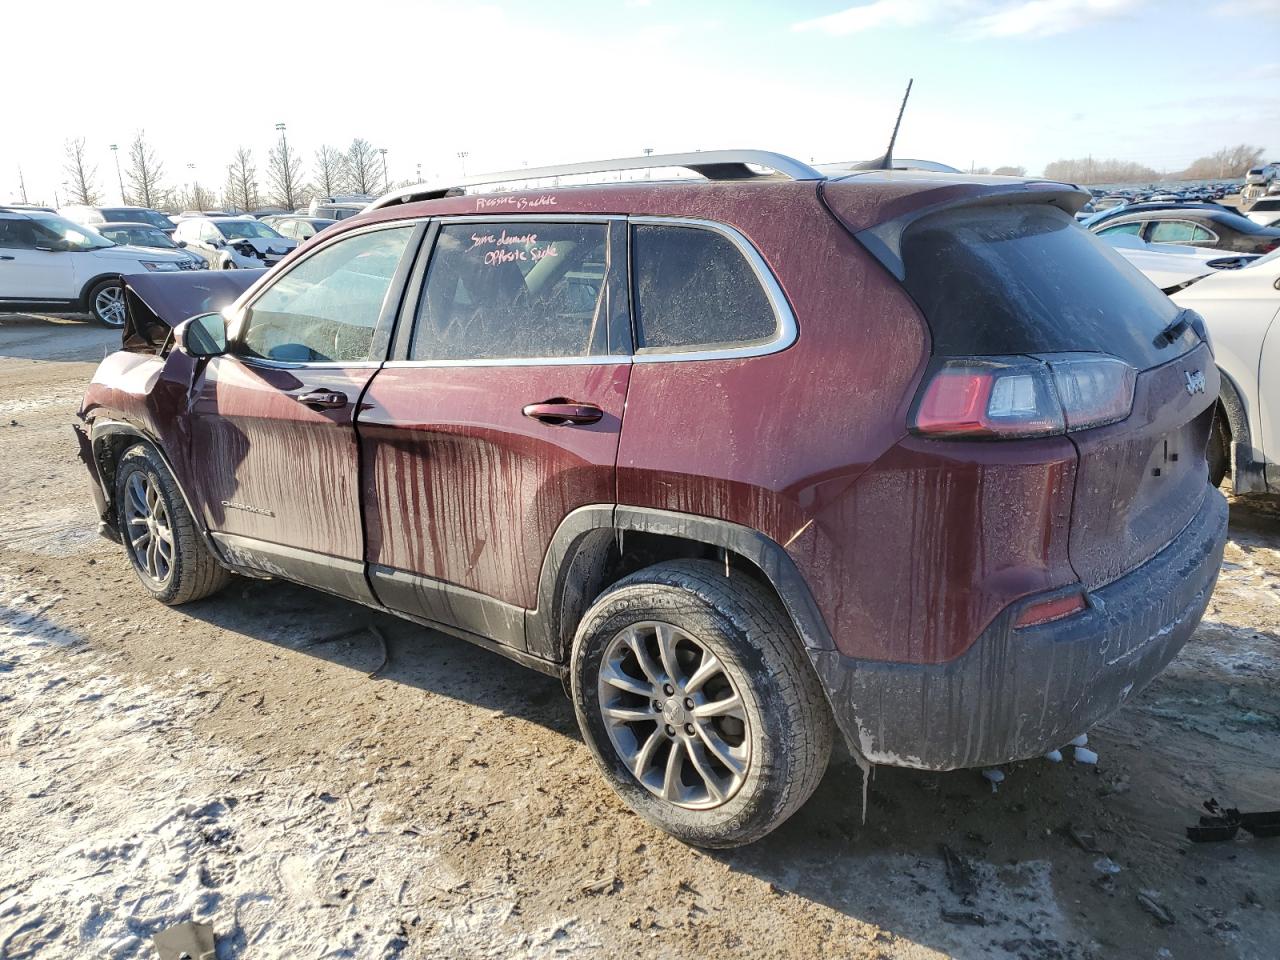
{"x": 712, "y": 164}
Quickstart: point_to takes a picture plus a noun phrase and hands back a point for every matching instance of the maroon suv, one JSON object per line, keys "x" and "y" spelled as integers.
{"x": 743, "y": 460}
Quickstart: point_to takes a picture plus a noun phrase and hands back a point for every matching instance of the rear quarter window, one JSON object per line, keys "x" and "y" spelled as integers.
{"x": 695, "y": 290}
{"x": 996, "y": 280}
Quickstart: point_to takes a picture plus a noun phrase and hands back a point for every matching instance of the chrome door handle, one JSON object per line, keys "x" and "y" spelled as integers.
{"x": 560, "y": 412}
{"x": 324, "y": 399}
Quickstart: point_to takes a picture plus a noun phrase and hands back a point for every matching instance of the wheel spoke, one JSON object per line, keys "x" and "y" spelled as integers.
{"x": 645, "y": 756}
{"x": 142, "y": 540}
{"x": 723, "y": 752}
{"x": 730, "y": 706}
{"x": 650, "y": 669}
{"x": 671, "y": 785}
{"x": 709, "y": 667}
{"x": 612, "y": 674}
{"x": 629, "y": 714}
{"x": 667, "y": 650}
{"x": 698, "y": 757}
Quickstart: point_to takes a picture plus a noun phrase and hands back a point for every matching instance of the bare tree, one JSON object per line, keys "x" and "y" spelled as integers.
{"x": 1227, "y": 163}
{"x": 284, "y": 172}
{"x": 80, "y": 177}
{"x": 363, "y": 171}
{"x": 1010, "y": 171}
{"x": 241, "y": 191}
{"x": 195, "y": 197}
{"x": 330, "y": 173}
{"x": 146, "y": 174}
{"x": 1089, "y": 170}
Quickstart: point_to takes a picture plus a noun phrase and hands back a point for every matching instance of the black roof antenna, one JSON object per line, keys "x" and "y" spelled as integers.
{"x": 886, "y": 162}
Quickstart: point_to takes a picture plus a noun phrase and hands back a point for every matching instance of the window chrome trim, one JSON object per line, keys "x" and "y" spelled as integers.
{"x": 499, "y": 217}
{"x": 787, "y": 329}
{"x": 516, "y": 361}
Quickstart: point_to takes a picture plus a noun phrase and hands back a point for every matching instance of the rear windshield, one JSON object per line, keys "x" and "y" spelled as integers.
{"x": 1027, "y": 279}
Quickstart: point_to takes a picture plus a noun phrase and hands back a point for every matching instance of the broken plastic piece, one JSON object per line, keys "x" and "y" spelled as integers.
{"x": 994, "y": 777}
{"x": 1054, "y": 756}
{"x": 1079, "y": 741}
{"x": 185, "y": 941}
{"x": 1085, "y": 755}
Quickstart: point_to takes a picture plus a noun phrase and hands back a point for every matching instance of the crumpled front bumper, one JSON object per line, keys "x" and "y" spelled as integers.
{"x": 1020, "y": 693}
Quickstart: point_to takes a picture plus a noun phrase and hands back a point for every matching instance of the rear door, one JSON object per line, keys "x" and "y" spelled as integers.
{"x": 273, "y": 442}
{"x": 500, "y": 416}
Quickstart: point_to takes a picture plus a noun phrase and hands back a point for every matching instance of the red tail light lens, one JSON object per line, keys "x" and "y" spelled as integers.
{"x": 1024, "y": 396}
{"x": 1046, "y": 611}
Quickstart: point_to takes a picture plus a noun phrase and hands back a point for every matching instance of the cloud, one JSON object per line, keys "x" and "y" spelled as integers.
{"x": 977, "y": 18}
{"x": 1044, "y": 18}
{"x": 882, "y": 13}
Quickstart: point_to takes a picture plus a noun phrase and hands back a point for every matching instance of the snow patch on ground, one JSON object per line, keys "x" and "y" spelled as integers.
{"x": 139, "y": 823}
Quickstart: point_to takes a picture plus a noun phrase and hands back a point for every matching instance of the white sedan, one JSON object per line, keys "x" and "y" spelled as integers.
{"x": 1241, "y": 308}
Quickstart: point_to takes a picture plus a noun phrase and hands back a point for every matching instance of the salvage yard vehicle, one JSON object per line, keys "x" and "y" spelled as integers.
{"x": 744, "y": 462}
{"x": 228, "y": 243}
{"x": 1240, "y": 309}
{"x": 49, "y": 263}
{"x": 94, "y": 216}
{"x": 1194, "y": 225}
{"x": 152, "y": 238}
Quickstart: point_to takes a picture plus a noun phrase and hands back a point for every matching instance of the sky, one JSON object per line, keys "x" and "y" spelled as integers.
{"x": 1021, "y": 82}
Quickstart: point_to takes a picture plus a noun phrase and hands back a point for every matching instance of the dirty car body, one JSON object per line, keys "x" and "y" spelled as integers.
{"x": 957, "y": 442}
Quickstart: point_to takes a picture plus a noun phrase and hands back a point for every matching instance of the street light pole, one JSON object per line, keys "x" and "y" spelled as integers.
{"x": 115, "y": 152}
{"x": 648, "y": 152}
{"x": 386, "y": 182}
{"x": 462, "y": 156}
{"x": 285, "y": 170}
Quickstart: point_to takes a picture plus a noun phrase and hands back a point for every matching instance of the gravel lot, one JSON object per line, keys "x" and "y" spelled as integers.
{"x": 224, "y": 762}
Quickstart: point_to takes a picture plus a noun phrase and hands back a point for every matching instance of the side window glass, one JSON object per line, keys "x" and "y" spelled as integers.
{"x": 17, "y": 235}
{"x": 1201, "y": 235}
{"x": 325, "y": 309}
{"x": 694, "y": 289}
{"x": 1133, "y": 229}
{"x": 512, "y": 290}
{"x": 1172, "y": 231}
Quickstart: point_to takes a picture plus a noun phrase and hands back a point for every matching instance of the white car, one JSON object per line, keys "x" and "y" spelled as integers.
{"x": 49, "y": 263}
{"x": 1265, "y": 211}
{"x": 1171, "y": 266}
{"x": 231, "y": 242}
{"x": 1241, "y": 308}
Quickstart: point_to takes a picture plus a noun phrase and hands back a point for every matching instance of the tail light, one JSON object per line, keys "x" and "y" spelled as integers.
{"x": 1024, "y": 396}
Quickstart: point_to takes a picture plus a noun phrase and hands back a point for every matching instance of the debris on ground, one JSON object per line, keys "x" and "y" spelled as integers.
{"x": 1147, "y": 900}
{"x": 1085, "y": 755}
{"x": 1223, "y": 823}
{"x": 185, "y": 941}
{"x": 962, "y": 878}
{"x": 995, "y": 778}
{"x": 968, "y": 918}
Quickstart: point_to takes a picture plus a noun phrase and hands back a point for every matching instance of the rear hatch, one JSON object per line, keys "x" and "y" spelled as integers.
{"x": 1023, "y": 280}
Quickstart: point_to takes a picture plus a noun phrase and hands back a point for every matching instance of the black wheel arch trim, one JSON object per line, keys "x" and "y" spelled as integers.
{"x": 1247, "y": 474}
{"x": 104, "y": 427}
{"x": 87, "y": 289}
{"x": 579, "y": 536}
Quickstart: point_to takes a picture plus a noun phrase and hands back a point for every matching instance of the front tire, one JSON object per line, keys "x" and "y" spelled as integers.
{"x": 697, "y": 700}
{"x": 1219, "y": 451}
{"x": 106, "y": 303}
{"x": 160, "y": 536}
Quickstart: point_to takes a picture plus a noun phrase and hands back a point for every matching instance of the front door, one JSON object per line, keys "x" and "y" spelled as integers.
{"x": 273, "y": 441}
{"x": 500, "y": 417}
{"x": 28, "y": 272}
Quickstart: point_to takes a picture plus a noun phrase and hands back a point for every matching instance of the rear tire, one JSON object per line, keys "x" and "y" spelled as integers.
{"x": 159, "y": 534}
{"x": 723, "y": 685}
{"x": 1219, "y": 452}
{"x": 106, "y": 302}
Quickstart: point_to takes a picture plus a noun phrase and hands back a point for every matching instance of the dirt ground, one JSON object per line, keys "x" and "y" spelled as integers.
{"x": 222, "y": 762}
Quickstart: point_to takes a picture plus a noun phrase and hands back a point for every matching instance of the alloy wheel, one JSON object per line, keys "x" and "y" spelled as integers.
{"x": 147, "y": 527}
{"x": 674, "y": 715}
{"x": 109, "y": 305}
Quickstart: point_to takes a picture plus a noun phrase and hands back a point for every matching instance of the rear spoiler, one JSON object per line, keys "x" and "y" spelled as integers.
{"x": 155, "y": 303}
{"x": 884, "y": 239}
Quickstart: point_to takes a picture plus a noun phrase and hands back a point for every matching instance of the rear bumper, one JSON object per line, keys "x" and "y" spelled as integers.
{"x": 1020, "y": 693}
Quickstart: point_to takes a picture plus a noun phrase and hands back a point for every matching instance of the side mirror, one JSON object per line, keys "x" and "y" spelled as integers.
{"x": 182, "y": 243}
{"x": 217, "y": 242}
{"x": 202, "y": 336}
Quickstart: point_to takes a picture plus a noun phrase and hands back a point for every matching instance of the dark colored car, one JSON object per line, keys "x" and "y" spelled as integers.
{"x": 1192, "y": 225}
{"x": 298, "y": 228}
{"x": 743, "y": 462}
{"x": 94, "y": 216}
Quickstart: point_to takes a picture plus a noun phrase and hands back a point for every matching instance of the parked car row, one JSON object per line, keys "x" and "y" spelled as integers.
{"x": 1187, "y": 224}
